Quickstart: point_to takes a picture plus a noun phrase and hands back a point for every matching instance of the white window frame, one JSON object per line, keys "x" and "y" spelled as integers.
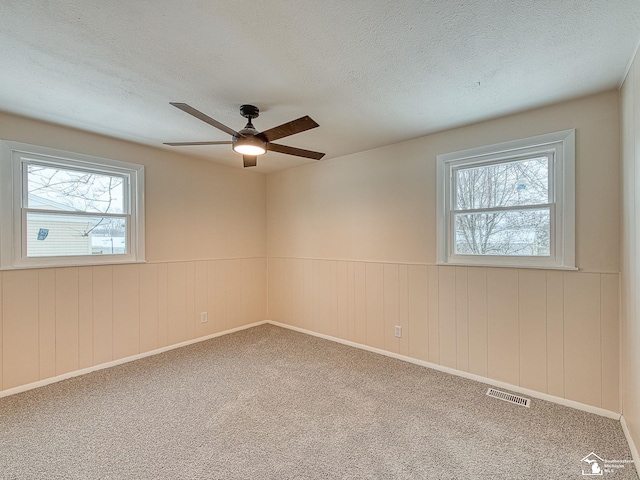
{"x": 560, "y": 147}
{"x": 13, "y": 156}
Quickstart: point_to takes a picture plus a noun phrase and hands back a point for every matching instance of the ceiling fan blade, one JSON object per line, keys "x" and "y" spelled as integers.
{"x": 184, "y": 144}
{"x": 249, "y": 160}
{"x": 274, "y": 147}
{"x": 205, "y": 118}
{"x": 290, "y": 128}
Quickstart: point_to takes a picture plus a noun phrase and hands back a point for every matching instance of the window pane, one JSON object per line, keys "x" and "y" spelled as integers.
{"x": 54, "y": 188}
{"x": 511, "y": 232}
{"x": 523, "y": 182}
{"x": 59, "y": 235}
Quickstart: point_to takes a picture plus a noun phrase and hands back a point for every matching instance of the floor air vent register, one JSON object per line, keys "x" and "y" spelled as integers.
{"x": 509, "y": 397}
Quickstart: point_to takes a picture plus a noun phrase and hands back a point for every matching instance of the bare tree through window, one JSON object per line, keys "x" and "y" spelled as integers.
{"x": 502, "y": 208}
{"x": 59, "y": 200}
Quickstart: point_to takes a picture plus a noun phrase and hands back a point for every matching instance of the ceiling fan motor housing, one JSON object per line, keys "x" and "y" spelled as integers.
{"x": 248, "y": 140}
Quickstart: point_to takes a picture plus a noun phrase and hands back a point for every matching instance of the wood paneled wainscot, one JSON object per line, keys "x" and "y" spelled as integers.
{"x": 550, "y": 331}
{"x": 58, "y": 320}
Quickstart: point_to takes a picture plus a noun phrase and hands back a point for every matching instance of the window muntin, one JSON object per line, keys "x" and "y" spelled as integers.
{"x": 509, "y": 204}
{"x": 62, "y": 209}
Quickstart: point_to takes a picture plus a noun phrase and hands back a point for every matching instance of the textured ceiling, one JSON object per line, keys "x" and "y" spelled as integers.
{"x": 370, "y": 72}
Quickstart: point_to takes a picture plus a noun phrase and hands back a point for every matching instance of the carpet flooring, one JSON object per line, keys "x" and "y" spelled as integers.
{"x": 269, "y": 403}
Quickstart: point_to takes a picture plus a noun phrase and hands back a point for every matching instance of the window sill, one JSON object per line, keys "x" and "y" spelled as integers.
{"x": 493, "y": 265}
{"x": 34, "y": 266}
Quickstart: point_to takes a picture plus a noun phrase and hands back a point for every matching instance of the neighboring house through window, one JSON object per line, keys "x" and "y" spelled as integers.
{"x": 60, "y": 208}
{"x": 510, "y": 204}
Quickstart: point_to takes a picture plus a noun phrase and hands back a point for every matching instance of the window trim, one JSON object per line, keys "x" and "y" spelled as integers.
{"x": 13, "y": 156}
{"x": 560, "y": 146}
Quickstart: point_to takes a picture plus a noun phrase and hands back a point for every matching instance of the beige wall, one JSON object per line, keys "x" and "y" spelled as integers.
{"x": 630, "y": 338}
{"x": 352, "y": 250}
{"x": 205, "y": 248}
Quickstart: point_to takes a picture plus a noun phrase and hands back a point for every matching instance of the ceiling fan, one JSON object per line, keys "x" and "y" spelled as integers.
{"x": 248, "y": 141}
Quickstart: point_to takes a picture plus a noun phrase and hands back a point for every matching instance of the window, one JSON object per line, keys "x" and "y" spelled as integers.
{"x": 60, "y": 208}
{"x": 510, "y": 204}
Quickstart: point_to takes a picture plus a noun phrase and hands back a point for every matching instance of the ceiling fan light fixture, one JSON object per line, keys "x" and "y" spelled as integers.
{"x": 245, "y": 147}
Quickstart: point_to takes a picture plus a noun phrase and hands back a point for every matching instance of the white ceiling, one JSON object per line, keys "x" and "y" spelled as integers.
{"x": 370, "y": 72}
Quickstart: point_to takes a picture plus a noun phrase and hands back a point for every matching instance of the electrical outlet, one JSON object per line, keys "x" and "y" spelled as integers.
{"x": 398, "y": 331}
{"x": 204, "y": 317}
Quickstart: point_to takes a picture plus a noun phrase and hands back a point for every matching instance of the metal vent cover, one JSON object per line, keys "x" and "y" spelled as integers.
{"x": 509, "y": 397}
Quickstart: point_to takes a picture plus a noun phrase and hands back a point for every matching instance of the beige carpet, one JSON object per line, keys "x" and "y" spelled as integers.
{"x": 268, "y": 403}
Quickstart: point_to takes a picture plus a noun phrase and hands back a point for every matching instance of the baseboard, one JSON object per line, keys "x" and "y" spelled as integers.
{"x": 632, "y": 445}
{"x": 120, "y": 361}
{"x": 478, "y": 378}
